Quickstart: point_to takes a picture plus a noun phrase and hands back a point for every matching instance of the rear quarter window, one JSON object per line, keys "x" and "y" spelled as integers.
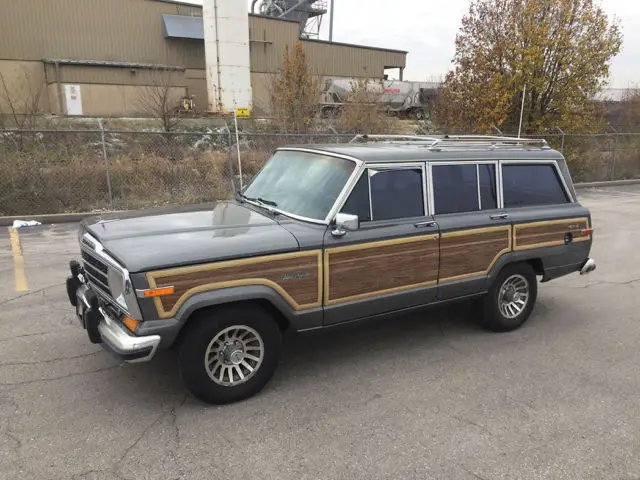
{"x": 531, "y": 185}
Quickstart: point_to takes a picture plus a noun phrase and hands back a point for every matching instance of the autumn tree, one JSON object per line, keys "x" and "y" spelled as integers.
{"x": 294, "y": 93}
{"x": 363, "y": 111}
{"x": 560, "y": 49}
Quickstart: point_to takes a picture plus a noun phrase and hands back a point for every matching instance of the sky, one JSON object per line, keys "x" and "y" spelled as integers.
{"x": 427, "y": 30}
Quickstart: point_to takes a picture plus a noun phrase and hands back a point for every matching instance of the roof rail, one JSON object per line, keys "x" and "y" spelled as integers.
{"x": 397, "y": 138}
{"x": 452, "y": 141}
{"x": 491, "y": 140}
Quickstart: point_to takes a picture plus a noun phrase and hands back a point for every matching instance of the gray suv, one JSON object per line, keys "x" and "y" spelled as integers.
{"x": 328, "y": 234}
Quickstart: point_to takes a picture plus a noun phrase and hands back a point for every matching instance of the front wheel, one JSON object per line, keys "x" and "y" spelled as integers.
{"x": 510, "y": 299}
{"x": 229, "y": 354}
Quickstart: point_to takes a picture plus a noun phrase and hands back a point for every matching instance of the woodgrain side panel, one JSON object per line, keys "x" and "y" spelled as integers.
{"x": 370, "y": 269}
{"x": 549, "y": 233}
{"x": 469, "y": 253}
{"x": 295, "y": 276}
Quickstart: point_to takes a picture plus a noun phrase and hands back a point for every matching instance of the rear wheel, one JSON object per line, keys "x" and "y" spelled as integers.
{"x": 510, "y": 299}
{"x": 229, "y": 354}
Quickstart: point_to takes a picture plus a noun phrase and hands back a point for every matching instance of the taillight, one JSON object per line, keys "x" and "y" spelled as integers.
{"x": 587, "y": 231}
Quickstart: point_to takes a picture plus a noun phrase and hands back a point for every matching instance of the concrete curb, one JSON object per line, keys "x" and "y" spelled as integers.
{"x": 76, "y": 217}
{"x": 612, "y": 183}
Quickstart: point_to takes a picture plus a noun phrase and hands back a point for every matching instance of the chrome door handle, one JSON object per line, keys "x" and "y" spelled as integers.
{"x": 501, "y": 216}
{"x": 425, "y": 224}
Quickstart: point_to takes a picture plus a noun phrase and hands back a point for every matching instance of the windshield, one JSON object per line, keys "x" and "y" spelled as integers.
{"x": 301, "y": 183}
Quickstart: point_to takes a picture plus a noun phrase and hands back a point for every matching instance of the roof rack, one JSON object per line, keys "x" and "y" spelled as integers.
{"x": 491, "y": 140}
{"x": 453, "y": 141}
{"x": 364, "y": 137}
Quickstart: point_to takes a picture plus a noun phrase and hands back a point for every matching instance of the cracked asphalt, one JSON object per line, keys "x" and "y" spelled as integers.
{"x": 424, "y": 396}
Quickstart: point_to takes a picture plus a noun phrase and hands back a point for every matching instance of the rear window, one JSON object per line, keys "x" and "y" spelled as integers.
{"x": 531, "y": 185}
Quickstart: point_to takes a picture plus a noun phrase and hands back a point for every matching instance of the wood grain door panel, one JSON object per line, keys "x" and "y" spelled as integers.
{"x": 472, "y": 252}
{"x": 376, "y": 268}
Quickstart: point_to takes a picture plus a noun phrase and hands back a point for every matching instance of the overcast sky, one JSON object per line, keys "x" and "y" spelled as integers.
{"x": 427, "y": 29}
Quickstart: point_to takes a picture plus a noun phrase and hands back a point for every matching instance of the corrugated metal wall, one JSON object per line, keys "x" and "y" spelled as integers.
{"x": 117, "y": 30}
{"x": 131, "y": 31}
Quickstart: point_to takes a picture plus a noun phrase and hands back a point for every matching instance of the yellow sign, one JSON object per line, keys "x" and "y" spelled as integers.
{"x": 242, "y": 112}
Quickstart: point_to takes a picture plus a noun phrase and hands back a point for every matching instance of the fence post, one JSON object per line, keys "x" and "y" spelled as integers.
{"x": 230, "y": 158}
{"x": 562, "y": 140}
{"x": 106, "y": 163}
{"x": 612, "y": 174}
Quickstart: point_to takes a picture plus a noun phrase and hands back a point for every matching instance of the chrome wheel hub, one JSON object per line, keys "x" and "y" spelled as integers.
{"x": 234, "y": 355}
{"x": 513, "y": 296}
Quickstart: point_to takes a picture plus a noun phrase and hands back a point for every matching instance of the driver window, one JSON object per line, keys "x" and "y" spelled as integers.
{"x": 387, "y": 194}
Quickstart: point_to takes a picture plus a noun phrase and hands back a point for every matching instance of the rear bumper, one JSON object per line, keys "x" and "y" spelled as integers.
{"x": 104, "y": 329}
{"x": 588, "y": 266}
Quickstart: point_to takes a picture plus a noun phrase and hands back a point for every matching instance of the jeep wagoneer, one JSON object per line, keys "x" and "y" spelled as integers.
{"x": 328, "y": 234}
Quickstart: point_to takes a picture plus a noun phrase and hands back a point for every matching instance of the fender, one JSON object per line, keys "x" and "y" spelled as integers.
{"x": 170, "y": 327}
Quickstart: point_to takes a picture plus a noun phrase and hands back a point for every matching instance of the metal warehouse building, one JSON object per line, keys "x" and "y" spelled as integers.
{"x": 111, "y": 49}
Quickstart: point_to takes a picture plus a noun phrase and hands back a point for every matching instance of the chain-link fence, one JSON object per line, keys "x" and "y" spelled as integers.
{"x": 52, "y": 171}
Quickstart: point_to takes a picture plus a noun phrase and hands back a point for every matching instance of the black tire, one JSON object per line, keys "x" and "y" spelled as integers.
{"x": 493, "y": 317}
{"x": 202, "y": 332}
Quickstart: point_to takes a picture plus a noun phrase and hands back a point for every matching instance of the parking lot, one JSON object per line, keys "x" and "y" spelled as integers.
{"x": 425, "y": 396}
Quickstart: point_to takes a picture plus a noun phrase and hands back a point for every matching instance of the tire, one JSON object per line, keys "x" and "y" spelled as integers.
{"x": 500, "y": 315}
{"x": 245, "y": 330}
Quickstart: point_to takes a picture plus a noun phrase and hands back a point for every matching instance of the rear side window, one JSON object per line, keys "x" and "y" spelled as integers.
{"x": 387, "y": 194}
{"x": 530, "y": 185}
{"x": 455, "y": 188}
{"x": 488, "y": 186}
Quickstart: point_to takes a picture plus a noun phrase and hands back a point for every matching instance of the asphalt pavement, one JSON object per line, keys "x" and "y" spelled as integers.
{"x": 423, "y": 396}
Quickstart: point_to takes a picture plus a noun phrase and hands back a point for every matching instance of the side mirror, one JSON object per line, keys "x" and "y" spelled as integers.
{"x": 345, "y": 222}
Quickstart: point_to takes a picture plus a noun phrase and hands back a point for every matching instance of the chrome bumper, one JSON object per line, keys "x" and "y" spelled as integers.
{"x": 130, "y": 348}
{"x": 588, "y": 267}
{"x": 104, "y": 329}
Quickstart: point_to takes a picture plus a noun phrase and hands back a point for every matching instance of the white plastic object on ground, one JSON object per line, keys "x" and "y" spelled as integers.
{"x": 25, "y": 223}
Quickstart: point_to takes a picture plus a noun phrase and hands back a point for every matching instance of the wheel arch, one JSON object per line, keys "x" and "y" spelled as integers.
{"x": 265, "y": 297}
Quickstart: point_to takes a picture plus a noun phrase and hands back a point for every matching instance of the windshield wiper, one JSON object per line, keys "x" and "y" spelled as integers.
{"x": 259, "y": 200}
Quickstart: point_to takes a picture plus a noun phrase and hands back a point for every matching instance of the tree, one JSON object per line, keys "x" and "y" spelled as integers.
{"x": 560, "y": 49}
{"x": 362, "y": 111}
{"x": 22, "y": 100}
{"x": 294, "y": 93}
{"x": 161, "y": 99}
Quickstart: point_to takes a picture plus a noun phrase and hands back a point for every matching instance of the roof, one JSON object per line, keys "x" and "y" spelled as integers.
{"x": 354, "y": 45}
{"x": 391, "y": 153}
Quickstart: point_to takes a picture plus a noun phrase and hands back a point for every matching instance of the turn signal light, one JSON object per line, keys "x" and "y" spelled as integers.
{"x": 159, "y": 292}
{"x": 587, "y": 231}
{"x": 130, "y": 323}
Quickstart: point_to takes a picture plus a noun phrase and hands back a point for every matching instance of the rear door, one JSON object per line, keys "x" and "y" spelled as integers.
{"x": 474, "y": 231}
{"x": 391, "y": 261}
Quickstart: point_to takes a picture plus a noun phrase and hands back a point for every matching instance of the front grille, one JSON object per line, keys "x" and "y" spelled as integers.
{"x": 97, "y": 272}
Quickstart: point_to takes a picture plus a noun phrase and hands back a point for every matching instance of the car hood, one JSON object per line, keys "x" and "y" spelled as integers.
{"x": 143, "y": 242}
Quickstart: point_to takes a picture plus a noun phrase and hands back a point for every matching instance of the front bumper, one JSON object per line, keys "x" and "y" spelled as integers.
{"x": 106, "y": 330}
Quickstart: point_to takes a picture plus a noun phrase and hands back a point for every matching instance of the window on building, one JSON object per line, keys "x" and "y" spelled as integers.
{"x": 529, "y": 185}
{"x": 387, "y": 194}
{"x": 455, "y": 188}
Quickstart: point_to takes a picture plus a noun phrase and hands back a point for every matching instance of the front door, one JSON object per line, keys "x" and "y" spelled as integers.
{"x": 391, "y": 262}
{"x": 474, "y": 231}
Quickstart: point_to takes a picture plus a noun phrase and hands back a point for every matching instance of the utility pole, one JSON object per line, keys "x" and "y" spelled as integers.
{"x": 331, "y": 21}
